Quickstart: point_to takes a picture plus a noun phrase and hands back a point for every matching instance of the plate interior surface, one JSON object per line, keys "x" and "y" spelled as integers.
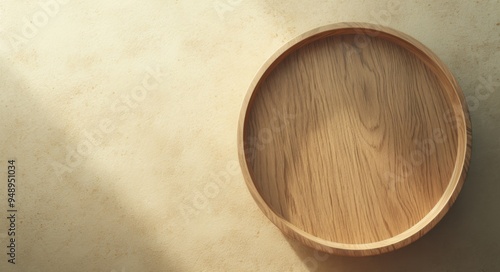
{"x": 349, "y": 143}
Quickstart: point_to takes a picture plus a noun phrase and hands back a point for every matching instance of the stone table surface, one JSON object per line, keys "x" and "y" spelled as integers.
{"x": 122, "y": 116}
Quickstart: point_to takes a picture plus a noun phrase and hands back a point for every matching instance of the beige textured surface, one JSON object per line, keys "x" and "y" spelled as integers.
{"x": 158, "y": 187}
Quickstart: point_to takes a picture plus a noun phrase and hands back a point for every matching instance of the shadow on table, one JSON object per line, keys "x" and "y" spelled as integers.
{"x": 74, "y": 222}
{"x": 466, "y": 239}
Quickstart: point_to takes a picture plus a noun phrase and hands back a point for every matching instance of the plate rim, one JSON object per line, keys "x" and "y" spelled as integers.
{"x": 464, "y": 139}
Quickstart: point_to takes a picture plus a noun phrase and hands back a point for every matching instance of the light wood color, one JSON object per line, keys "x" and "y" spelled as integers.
{"x": 330, "y": 139}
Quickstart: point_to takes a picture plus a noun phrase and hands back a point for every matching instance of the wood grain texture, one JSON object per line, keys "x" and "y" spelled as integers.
{"x": 354, "y": 139}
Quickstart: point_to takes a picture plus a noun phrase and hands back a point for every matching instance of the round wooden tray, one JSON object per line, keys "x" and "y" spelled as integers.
{"x": 354, "y": 139}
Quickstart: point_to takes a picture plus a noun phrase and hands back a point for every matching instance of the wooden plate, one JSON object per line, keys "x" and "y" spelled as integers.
{"x": 354, "y": 139}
